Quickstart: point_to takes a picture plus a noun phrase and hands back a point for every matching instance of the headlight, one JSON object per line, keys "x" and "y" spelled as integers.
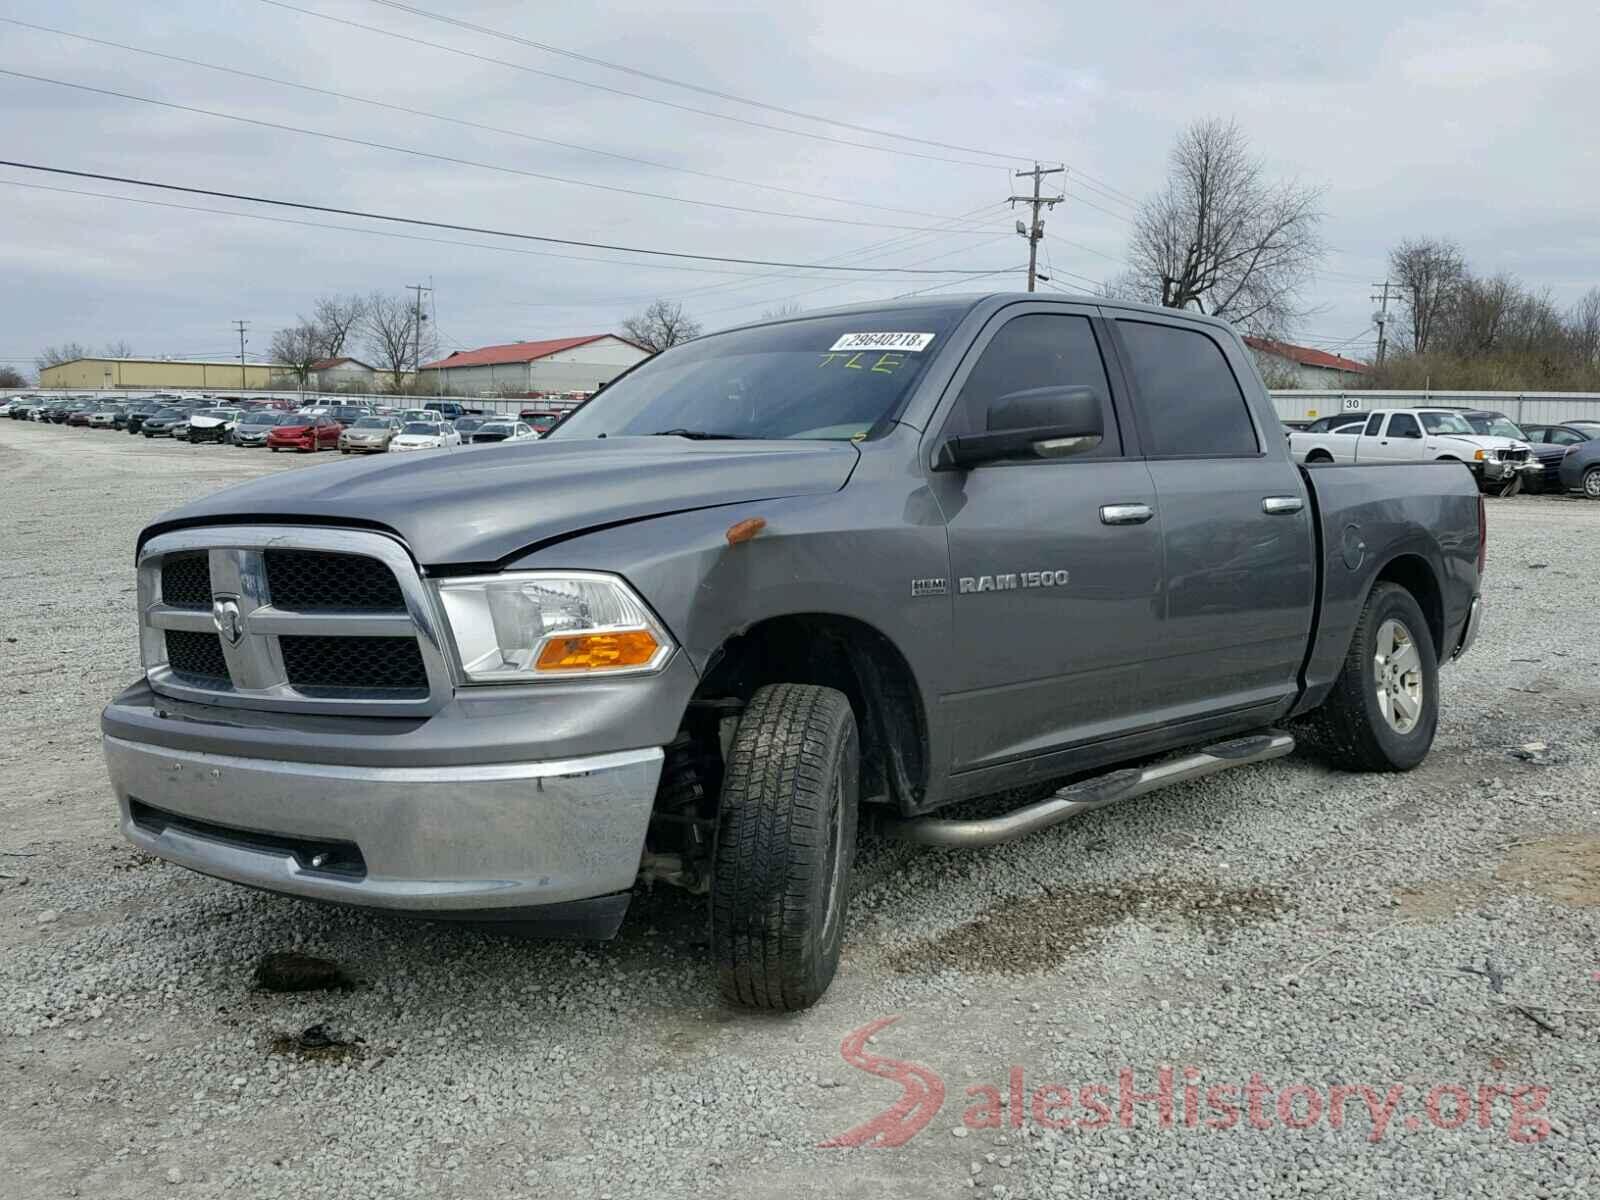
{"x": 524, "y": 626}
{"x": 1480, "y": 455}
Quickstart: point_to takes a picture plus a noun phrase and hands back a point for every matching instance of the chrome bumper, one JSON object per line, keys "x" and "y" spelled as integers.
{"x": 1470, "y": 633}
{"x": 430, "y": 840}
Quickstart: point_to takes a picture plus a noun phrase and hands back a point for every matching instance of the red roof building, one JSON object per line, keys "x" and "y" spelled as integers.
{"x": 580, "y": 364}
{"x": 1307, "y": 366}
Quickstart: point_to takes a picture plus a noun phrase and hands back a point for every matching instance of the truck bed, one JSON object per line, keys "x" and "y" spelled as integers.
{"x": 1418, "y": 521}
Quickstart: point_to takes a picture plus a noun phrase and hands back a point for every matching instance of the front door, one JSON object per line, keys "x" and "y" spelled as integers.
{"x": 1055, "y": 564}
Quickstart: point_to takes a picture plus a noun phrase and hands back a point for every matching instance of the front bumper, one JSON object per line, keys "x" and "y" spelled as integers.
{"x": 1494, "y": 470}
{"x": 443, "y": 841}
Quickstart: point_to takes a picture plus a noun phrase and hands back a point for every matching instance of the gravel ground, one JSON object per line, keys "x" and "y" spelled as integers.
{"x": 1429, "y": 935}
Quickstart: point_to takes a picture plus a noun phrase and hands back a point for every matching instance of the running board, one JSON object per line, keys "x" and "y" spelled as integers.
{"x": 1091, "y": 793}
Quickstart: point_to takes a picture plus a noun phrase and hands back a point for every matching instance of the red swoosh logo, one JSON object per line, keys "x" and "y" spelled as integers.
{"x": 920, "y": 1099}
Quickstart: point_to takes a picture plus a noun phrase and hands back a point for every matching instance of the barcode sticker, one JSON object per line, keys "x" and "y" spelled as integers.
{"x": 912, "y": 343}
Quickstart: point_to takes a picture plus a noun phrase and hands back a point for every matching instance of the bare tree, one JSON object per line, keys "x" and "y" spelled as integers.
{"x": 298, "y": 348}
{"x": 662, "y": 325}
{"x": 391, "y": 333}
{"x": 1430, "y": 272}
{"x": 1583, "y": 327}
{"x": 12, "y": 378}
{"x": 52, "y": 356}
{"x": 780, "y": 311}
{"x": 118, "y": 349}
{"x": 337, "y": 318}
{"x": 1225, "y": 239}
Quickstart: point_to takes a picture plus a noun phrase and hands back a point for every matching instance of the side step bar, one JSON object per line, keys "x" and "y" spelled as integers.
{"x": 1090, "y": 794}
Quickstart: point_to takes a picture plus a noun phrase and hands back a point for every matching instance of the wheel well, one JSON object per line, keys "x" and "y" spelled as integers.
{"x": 852, "y": 656}
{"x": 1319, "y": 456}
{"x": 1415, "y": 575}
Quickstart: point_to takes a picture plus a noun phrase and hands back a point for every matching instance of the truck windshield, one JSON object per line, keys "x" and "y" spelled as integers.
{"x": 1437, "y": 422}
{"x": 1497, "y": 426}
{"x": 830, "y": 378}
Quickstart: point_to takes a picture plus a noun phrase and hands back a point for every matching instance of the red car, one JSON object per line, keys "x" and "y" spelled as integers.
{"x": 308, "y": 433}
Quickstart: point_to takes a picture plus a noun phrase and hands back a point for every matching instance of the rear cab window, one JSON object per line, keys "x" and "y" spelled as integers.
{"x": 1190, "y": 402}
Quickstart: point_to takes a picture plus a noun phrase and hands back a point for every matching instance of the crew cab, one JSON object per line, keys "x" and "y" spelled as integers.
{"x": 1498, "y": 463}
{"x": 770, "y": 585}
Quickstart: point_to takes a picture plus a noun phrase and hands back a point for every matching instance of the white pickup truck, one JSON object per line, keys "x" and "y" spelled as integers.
{"x": 1418, "y": 435}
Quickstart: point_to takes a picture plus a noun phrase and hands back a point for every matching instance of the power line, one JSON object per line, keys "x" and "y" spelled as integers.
{"x": 721, "y": 95}
{"x": 704, "y": 112}
{"x": 456, "y": 161}
{"x": 693, "y": 87}
{"x": 485, "y": 231}
{"x": 947, "y": 283}
{"x": 433, "y": 116}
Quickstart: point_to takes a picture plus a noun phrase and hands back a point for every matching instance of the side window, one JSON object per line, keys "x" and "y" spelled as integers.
{"x": 1404, "y": 425}
{"x": 1190, "y": 400}
{"x": 1562, "y": 437}
{"x": 1374, "y": 423}
{"x": 1034, "y": 351}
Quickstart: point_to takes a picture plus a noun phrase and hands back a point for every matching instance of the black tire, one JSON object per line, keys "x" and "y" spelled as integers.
{"x": 1591, "y": 483}
{"x": 786, "y": 834}
{"x": 1351, "y": 728}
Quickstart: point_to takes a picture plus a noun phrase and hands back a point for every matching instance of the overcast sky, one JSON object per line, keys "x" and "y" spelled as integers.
{"x": 1473, "y": 121}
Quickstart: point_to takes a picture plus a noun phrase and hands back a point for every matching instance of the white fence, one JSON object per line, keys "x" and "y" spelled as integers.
{"x": 1530, "y": 408}
{"x": 487, "y": 404}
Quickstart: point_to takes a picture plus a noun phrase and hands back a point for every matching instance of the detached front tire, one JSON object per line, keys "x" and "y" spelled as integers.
{"x": 1383, "y": 710}
{"x": 786, "y": 833}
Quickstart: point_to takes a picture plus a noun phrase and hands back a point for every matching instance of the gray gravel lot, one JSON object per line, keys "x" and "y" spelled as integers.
{"x": 1432, "y": 933}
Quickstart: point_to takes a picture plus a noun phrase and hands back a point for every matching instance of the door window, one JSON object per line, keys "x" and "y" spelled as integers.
{"x": 1404, "y": 425}
{"x": 1187, "y": 393}
{"x": 1374, "y": 423}
{"x": 1037, "y": 350}
{"x": 1563, "y": 437}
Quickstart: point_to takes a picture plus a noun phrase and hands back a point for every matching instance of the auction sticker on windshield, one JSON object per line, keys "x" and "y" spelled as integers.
{"x": 912, "y": 342}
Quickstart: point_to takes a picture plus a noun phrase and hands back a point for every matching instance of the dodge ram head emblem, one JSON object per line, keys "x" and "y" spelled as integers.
{"x": 225, "y": 616}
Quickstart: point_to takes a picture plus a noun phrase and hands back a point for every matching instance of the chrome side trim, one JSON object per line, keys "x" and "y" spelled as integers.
{"x": 259, "y": 680}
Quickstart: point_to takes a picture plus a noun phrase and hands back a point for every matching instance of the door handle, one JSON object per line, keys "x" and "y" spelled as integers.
{"x": 1278, "y": 506}
{"x": 1125, "y": 514}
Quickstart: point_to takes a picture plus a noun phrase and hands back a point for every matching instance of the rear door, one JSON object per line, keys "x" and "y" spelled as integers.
{"x": 1055, "y": 563}
{"x": 1235, "y": 525}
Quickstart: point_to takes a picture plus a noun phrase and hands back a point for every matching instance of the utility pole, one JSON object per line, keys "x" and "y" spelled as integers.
{"x": 241, "y": 326}
{"x": 1035, "y": 230}
{"x": 416, "y": 333}
{"x": 1381, "y": 317}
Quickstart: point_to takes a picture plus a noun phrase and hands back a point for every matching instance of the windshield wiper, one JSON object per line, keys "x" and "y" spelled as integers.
{"x": 700, "y": 435}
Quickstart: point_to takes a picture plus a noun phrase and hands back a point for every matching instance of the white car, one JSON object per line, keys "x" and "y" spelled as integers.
{"x": 425, "y": 435}
{"x": 1421, "y": 435}
{"x": 104, "y": 417}
{"x": 411, "y": 416}
{"x": 213, "y": 425}
{"x": 503, "y": 431}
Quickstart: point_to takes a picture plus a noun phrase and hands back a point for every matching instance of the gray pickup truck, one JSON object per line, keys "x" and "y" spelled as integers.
{"x": 853, "y": 566}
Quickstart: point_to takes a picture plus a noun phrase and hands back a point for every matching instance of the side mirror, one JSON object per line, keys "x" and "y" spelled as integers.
{"x": 1050, "y": 422}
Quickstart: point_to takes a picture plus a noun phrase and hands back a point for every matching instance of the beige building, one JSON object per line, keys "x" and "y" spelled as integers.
{"x": 144, "y": 374}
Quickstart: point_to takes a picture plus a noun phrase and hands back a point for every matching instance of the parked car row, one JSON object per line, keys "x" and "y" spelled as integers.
{"x": 1504, "y": 457}
{"x": 348, "y": 428}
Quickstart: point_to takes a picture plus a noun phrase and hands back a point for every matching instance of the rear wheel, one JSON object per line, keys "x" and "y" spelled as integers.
{"x": 1384, "y": 707}
{"x": 786, "y": 832}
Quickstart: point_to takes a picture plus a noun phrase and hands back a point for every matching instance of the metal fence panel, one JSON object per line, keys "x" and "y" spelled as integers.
{"x": 1525, "y": 408}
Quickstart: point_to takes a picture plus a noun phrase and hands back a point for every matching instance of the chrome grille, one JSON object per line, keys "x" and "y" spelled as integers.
{"x": 197, "y": 657}
{"x": 186, "y": 581}
{"x": 293, "y": 619}
{"x": 337, "y": 664}
{"x": 313, "y": 580}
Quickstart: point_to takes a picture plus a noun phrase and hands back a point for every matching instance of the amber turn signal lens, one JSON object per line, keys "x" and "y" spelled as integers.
{"x": 598, "y": 651}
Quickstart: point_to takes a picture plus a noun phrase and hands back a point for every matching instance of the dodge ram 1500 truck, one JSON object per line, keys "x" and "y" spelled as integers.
{"x": 850, "y": 566}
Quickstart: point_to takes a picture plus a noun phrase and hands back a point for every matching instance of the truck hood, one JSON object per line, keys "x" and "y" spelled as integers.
{"x": 1481, "y": 440}
{"x": 485, "y": 506}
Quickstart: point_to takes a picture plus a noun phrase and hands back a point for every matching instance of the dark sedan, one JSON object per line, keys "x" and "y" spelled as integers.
{"x": 1580, "y": 468}
{"x": 133, "y": 416}
{"x": 1549, "y": 444}
{"x": 163, "y": 422}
